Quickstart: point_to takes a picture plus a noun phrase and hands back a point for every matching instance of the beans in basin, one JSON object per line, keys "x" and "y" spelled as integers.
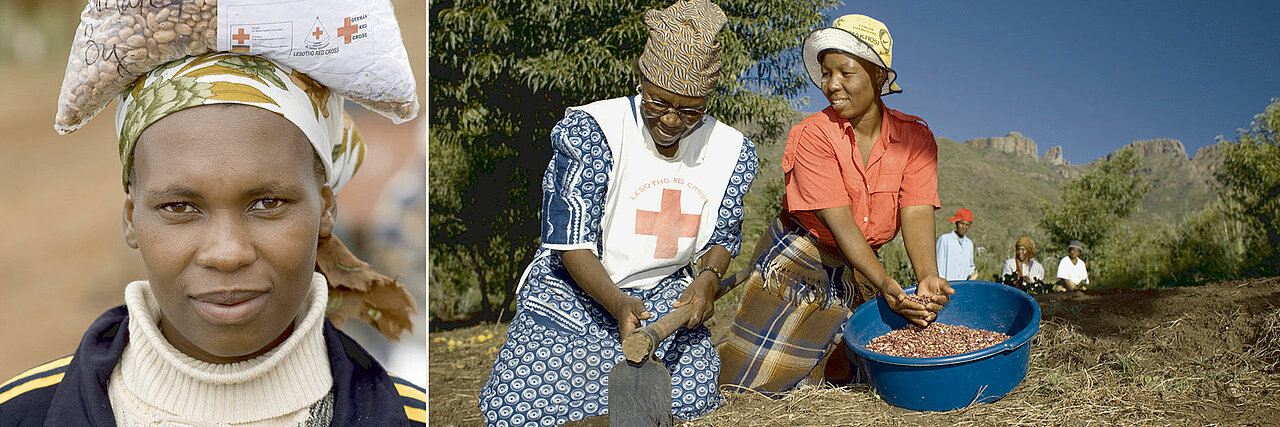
{"x": 936, "y": 340}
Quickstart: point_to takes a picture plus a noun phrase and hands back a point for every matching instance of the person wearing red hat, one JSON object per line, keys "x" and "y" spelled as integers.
{"x": 955, "y": 250}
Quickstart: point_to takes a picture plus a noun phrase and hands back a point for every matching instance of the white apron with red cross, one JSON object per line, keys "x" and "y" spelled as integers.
{"x": 659, "y": 212}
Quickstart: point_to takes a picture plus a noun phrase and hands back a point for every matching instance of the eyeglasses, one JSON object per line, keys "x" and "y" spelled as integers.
{"x": 652, "y": 109}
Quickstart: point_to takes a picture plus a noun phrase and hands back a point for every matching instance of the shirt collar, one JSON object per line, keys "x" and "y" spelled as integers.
{"x": 363, "y": 392}
{"x": 889, "y": 122}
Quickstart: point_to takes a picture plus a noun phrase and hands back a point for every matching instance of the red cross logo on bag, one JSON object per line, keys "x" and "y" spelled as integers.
{"x": 668, "y": 224}
{"x": 348, "y": 31}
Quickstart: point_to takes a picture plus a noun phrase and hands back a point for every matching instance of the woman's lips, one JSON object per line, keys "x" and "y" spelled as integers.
{"x": 668, "y": 133}
{"x": 664, "y": 137}
{"x": 230, "y": 307}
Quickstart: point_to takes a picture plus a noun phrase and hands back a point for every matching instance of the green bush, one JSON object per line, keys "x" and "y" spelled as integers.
{"x": 1250, "y": 177}
{"x": 1209, "y": 245}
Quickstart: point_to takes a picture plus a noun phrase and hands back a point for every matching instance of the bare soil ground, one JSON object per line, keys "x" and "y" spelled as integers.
{"x": 1203, "y": 355}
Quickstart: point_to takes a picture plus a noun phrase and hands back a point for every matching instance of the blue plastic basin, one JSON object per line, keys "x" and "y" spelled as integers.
{"x": 951, "y": 382}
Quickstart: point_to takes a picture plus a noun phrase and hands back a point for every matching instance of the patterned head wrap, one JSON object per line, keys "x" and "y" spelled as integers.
{"x": 1026, "y": 242}
{"x": 355, "y": 289}
{"x": 682, "y": 54}
{"x": 222, "y": 78}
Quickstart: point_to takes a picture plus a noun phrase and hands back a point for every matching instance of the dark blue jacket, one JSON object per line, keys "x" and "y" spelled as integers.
{"x": 72, "y": 391}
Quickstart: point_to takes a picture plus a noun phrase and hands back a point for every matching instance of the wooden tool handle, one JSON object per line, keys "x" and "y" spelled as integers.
{"x": 641, "y": 343}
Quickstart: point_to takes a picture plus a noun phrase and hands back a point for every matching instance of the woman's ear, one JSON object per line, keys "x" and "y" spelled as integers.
{"x": 328, "y": 212}
{"x": 126, "y": 217}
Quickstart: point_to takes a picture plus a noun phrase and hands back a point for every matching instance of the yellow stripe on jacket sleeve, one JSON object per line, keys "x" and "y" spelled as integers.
{"x": 410, "y": 392}
{"x": 31, "y": 385}
{"x": 416, "y": 414}
{"x": 45, "y": 367}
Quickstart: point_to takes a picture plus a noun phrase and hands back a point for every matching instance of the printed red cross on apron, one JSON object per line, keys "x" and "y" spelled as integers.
{"x": 668, "y": 224}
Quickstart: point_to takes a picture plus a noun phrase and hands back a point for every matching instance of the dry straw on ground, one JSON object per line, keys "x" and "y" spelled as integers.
{"x": 1187, "y": 356}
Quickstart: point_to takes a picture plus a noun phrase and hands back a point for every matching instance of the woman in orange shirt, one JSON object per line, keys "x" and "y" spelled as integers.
{"x": 801, "y": 289}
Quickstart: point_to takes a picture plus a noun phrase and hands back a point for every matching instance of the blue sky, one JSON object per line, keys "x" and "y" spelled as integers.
{"x": 1090, "y": 76}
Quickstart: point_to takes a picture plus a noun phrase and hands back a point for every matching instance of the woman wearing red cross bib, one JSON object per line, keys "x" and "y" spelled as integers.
{"x": 638, "y": 189}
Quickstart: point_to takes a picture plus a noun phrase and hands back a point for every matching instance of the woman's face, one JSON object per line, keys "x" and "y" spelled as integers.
{"x": 1021, "y": 252}
{"x": 847, "y": 85}
{"x": 669, "y": 116}
{"x": 226, "y": 209}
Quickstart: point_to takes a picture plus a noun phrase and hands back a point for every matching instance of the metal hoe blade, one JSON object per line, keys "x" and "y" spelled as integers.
{"x": 639, "y": 394}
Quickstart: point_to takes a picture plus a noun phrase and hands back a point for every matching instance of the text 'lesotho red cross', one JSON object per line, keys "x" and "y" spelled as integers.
{"x": 668, "y": 224}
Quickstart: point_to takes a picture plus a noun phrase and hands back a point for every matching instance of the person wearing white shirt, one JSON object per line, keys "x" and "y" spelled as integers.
{"x": 955, "y": 251}
{"x": 1072, "y": 274}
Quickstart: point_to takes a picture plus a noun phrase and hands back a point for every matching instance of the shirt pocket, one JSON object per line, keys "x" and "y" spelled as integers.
{"x": 883, "y": 206}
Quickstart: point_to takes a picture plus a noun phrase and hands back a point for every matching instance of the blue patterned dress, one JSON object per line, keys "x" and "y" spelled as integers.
{"x": 561, "y": 345}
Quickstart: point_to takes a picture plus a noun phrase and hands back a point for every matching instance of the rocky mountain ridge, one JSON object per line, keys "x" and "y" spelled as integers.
{"x": 1207, "y": 158}
{"x": 1179, "y": 184}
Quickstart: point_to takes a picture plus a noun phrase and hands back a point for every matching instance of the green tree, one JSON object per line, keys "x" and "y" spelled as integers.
{"x": 501, "y": 74}
{"x": 1095, "y": 203}
{"x": 1250, "y": 177}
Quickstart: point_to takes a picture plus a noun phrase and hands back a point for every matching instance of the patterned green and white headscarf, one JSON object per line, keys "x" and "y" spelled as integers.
{"x": 221, "y": 78}
{"x": 356, "y": 290}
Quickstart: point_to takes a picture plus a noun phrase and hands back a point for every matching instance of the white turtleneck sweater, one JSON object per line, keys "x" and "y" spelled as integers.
{"x": 154, "y": 384}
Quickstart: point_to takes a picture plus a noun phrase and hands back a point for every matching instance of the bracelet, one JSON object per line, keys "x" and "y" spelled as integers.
{"x": 714, "y": 270}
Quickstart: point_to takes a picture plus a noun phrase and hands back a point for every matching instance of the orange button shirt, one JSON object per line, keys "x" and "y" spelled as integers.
{"x": 824, "y": 169}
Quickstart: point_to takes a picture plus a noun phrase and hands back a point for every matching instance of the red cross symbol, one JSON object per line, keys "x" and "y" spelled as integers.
{"x": 668, "y": 224}
{"x": 317, "y": 33}
{"x": 240, "y": 37}
{"x": 347, "y": 30}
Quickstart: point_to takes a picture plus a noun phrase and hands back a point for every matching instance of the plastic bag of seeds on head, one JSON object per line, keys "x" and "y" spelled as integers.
{"x": 353, "y": 47}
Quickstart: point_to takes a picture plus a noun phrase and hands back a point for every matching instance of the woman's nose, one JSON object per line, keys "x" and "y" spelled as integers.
{"x": 830, "y": 85}
{"x": 672, "y": 119}
{"x": 226, "y": 246}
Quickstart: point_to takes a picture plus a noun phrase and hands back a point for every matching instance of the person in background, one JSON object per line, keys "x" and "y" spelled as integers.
{"x": 856, "y": 174}
{"x": 1023, "y": 271}
{"x": 638, "y": 188}
{"x": 1072, "y": 274}
{"x": 955, "y": 250}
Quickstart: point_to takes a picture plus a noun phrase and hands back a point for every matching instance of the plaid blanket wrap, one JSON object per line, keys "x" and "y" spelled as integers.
{"x": 797, "y": 299}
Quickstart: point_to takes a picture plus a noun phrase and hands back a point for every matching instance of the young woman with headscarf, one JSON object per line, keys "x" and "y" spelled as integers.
{"x": 856, "y": 173}
{"x": 1023, "y": 270}
{"x": 638, "y": 188}
{"x": 231, "y": 165}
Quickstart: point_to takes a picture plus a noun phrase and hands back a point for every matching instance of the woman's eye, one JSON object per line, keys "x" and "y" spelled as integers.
{"x": 267, "y": 204}
{"x": 178, "y": 208}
